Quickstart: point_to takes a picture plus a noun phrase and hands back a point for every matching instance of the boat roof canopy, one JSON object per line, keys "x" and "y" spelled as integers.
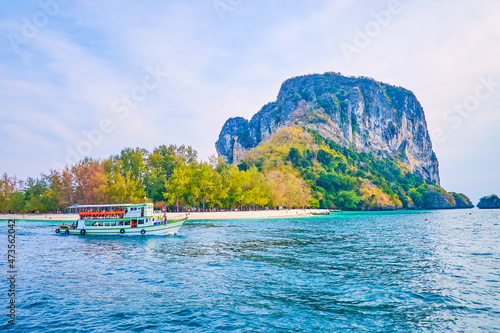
{"x": 80, "y": 207}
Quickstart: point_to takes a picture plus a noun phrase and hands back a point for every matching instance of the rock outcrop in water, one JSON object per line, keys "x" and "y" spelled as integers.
{"x": 461, "y": 200}
{"x": 491, "y": 201}
{"x": 362, "y": 113}
{"x": 437, "y": 198}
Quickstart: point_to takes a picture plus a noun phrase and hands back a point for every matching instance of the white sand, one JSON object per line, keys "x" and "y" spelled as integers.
{"x": 260, "y": 214}
{"x": 40, "y": 217}
{"x": 191, "y": 216}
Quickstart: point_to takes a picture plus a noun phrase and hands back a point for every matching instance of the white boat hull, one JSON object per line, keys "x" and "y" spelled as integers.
{"x": 160, "y": 228}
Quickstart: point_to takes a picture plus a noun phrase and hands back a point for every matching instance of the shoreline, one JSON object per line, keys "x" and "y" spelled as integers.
{"x": 193, "y": 216}
{"x": 227, "y": 215}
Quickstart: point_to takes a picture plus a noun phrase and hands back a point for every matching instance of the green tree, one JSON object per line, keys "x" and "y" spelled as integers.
{"x": 178, "y": 186}
{"x": 348, "y": 200}
{"x": 17, "y": 202}
{"x": 9, "y": 187}
{"x": 49, "y": 201}
{"x": 232, "y": 182}
{"x": 122, "y": 189}
{"x": 133, "y": 162}
{"x": 160, "y": 166}
{"x": 33, "y": 193}
{"x": 204, "y": 179}
{"x": 255, "y": 190}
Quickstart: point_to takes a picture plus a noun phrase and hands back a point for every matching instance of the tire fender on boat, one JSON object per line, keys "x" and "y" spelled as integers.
{"x": 122, "y": 231}
{"x": 57, "y": 230}
{"x": 82, "y": 232}
{"x": 143, "y": 232}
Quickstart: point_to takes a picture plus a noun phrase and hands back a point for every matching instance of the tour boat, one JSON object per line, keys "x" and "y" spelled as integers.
{"x": 120, "y": 219}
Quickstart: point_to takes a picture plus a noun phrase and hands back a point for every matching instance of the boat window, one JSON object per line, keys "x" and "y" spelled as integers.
{"x": 106, "y": 224}
{"x": 140, "y": 222}
{"x": 88, "y": 223}
{"x": 127, "y": 223}
{"x": 113, "y": 223}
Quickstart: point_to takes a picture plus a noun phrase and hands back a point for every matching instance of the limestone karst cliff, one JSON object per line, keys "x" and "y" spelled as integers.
{"x": 356, "y": 112}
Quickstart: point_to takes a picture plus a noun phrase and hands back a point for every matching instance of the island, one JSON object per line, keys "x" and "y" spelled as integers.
{"x": 489, "y": 202}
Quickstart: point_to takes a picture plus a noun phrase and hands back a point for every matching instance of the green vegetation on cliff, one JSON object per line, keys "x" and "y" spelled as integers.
{"x": 340, "y": 177}
{"x": 490, "y": 201}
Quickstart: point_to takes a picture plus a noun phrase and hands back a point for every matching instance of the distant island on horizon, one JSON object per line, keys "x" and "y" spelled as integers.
{"x": 328, "y": 141}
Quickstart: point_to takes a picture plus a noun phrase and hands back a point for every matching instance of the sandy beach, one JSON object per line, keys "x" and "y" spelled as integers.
{"x": 261, "y": 214}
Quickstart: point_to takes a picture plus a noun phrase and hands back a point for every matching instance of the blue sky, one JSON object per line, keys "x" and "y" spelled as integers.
{"x": 76, "y": 77}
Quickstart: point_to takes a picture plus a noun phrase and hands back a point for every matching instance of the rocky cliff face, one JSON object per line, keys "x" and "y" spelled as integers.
{"x": 360, "y": 112}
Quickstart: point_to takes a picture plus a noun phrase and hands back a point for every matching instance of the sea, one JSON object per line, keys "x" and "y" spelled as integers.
{"x": 404, "y": 271}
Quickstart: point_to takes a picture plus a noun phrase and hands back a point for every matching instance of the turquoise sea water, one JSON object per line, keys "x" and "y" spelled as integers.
{"x": 428, "y": 271}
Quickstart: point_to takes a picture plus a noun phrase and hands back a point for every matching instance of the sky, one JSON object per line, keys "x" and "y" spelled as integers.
{"x": 89, "y": 78}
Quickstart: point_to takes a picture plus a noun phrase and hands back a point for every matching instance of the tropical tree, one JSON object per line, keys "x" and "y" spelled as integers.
{"x": 205, "y": 179}
{"x": 255, "y": 189}
{"x": 88, "y": 176}
{"x": 287, "y": 189}
{"x": 9, "y": 186}
{"x": 33, "y": 191}
{"x": 178, "y": 186}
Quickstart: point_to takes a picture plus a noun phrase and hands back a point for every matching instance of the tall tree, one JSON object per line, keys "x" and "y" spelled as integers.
{"x": 33, "y": 191}
{"x": 67, "y": 195}
{"x": 255, "y": 189}
{"x": 178, "y": 186}
{"x": 120, "y": 186}
{"x": 204, "y": 179}
{"x": 287, "y": 189}
{"x": 233, "y": 180}
{"x": 88, "y": 176}
{"x": 133, "y": 162}
{"x": 8, "y": 187}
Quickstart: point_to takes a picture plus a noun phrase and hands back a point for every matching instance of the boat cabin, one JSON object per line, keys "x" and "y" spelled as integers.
{"x": 129, "y": 213}
{"x": 120, "y": 219}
